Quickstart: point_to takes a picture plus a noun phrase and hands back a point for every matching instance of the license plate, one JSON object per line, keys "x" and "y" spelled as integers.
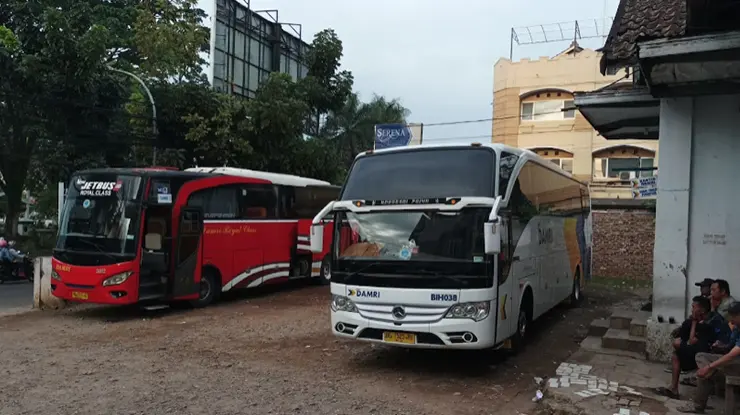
{"x": 403, "y": 338}
{"x": 79, "y": 296}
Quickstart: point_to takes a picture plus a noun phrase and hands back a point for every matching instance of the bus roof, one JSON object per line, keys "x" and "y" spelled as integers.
{"x": 521, "y": 152}
{"x": 274, "y": 178}
{"x": 140, "y": 171}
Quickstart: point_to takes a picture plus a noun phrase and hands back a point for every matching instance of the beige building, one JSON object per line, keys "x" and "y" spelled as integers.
{"x": 529, "y": 101}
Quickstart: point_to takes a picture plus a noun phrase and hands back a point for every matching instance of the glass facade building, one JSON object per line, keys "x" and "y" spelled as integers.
{"x": 247, "y": 45}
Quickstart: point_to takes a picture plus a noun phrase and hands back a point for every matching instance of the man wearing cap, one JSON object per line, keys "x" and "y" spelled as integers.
{"x": 706, "y": 287}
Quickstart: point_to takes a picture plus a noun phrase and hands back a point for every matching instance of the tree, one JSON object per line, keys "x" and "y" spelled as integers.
{"x": 325, "y": 87}
{"x": 352, "y": 126}
{"x": 60, "y": 105}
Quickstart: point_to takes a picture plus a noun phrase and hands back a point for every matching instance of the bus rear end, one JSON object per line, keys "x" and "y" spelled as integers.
{"x": 96, "y": 258}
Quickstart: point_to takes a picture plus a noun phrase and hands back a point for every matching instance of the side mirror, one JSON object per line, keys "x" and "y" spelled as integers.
{"x": 317, "y": 238}
{"x": 153, "y": 241}
{"x": 492, "y": 237}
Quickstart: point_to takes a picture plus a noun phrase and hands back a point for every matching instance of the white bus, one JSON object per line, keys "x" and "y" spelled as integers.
{"x": 454, "y": 246}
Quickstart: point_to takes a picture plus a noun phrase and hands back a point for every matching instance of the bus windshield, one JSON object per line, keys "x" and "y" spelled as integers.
{"x": 101, "y": 214}
{"x": 412, "y": 236}
{"x": 423, "y": 173}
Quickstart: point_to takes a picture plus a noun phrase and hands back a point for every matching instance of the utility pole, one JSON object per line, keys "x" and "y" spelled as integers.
{"x": 154, "y": 109}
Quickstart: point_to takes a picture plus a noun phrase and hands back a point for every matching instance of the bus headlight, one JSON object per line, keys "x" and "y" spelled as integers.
{"x": 475, "y": 311}
{"x": 117, "y": 279}
{"x": 55, "y": 275}
{"x": 341, "y": 303}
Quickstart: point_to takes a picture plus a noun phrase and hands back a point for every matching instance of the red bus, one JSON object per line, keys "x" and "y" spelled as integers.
{"x": 156, "y": 235}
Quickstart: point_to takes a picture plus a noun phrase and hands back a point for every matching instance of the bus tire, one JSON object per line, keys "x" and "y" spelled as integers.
{"x": 576, "y": 296}
{"x": 325, "y": 273}
{"x": 208, "y": 291}
{"x": 524, "y": 319}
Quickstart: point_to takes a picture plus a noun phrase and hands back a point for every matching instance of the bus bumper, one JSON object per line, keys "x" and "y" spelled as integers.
{"x": 463, "y": 334}
{"x": 122, "y": 294}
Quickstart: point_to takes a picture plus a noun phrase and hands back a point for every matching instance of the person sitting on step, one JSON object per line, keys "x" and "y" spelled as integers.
{"x": 713, "y": 367}
{"x": 696, "y": 335}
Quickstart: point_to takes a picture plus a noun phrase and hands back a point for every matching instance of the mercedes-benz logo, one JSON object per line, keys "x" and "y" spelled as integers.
{"x": 398, "y": 312}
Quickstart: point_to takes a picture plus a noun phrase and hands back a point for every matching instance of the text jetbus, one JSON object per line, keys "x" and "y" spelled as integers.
{"x": 157, "y": 235}
{"x": 454, "y": 246}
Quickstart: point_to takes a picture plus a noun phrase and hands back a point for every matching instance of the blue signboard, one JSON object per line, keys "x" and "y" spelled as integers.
{"x": 392, "y": 135}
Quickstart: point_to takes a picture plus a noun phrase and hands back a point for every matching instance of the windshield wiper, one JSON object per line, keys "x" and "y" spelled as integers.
{"x": 360, "y": 271}
{"x": 98, "y": 248}
{"x": 443, "y": 277}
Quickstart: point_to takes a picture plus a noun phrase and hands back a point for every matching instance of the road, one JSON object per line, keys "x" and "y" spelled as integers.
{"x": 261, "y": 353}
{"x": 15, "y": 296}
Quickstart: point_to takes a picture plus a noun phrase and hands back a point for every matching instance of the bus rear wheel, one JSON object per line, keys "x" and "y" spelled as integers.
{"x": 208, "y": 290}
{"x": 576, "y": 295}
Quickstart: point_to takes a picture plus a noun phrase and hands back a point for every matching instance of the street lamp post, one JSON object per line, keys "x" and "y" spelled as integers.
{"x": 154, "y": 108}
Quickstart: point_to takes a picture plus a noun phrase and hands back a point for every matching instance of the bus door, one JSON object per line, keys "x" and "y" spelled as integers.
{"x": 507, "y": 298}
{"x": 188, "y": 254}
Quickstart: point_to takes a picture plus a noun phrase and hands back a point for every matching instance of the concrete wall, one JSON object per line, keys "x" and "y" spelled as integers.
{"x": 698, "y": 223}
{"x": 623, "y": 243}
{"x": 42, "y": 296}
{"x": 571, "y": 73}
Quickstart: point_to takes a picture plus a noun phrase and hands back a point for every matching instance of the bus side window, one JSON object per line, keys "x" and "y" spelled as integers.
{"x": 223, "y": 203}
{"x": 286, "y": 197}
{"x": 257, "y": 202}
{"x": 506, "y": 167}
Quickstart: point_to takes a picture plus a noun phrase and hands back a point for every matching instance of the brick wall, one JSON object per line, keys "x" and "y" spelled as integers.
{"x": 623, "y": 243}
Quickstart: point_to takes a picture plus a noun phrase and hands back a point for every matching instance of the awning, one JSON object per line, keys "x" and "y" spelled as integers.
{"x": 688, "y": 66}
{"x": 621, "y": 113}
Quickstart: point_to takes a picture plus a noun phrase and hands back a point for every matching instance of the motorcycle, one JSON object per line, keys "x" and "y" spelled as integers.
{"x": 17, "y": 271}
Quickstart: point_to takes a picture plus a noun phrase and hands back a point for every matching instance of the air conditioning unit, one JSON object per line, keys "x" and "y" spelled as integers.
{"x": 627, "y": 175}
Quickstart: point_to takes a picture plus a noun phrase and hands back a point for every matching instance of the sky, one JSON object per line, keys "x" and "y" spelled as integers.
{"x": 437, "y": 56}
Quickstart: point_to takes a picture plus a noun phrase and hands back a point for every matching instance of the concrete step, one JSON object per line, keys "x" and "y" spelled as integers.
{"x": 593, "y": 344}
{"x": 621, "y": 339}
{"x": 621, "y": 319}
{"x": 638, "y": 327}
{"x": 598, "y": 327}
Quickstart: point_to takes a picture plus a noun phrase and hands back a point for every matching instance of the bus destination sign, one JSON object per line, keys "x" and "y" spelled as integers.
{"x": 391, "y": 202}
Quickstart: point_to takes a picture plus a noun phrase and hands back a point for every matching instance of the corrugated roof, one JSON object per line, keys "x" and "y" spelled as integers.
{"x": 640, "y": 20}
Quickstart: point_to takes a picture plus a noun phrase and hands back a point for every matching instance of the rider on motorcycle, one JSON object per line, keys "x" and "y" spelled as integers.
{"x": 7, "y": 253}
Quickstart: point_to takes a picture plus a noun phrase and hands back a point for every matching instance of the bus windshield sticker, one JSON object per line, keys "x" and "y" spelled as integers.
{"x": 165, "y": 199}
{"x": 97, "y": 189}
{"x": 477, "y": 258}
{"x": 86, "y": 203}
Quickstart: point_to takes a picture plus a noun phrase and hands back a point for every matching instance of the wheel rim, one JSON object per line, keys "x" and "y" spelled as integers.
{"x": 205, "y": 288}
{"x": 327, "y": 271}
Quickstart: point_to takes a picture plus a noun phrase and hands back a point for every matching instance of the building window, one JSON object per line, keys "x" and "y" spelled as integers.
{"x": 571, "y": 113}
{"x": 627, "y": 168}
{"x": 547, "y": 110}
{"x": 565, "y": 164}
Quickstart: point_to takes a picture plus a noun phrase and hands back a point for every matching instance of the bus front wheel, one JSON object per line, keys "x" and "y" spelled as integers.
{"x": 522, "y": 325}
{"x": 325, "y": 273}
{"x": 208, "y": 290}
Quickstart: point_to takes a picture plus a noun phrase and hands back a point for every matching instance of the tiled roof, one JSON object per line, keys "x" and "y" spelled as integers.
{"x": 640, "y": 20}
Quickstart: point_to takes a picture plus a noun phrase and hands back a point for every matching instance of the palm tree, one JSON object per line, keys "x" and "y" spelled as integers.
{"x": 352, "y": 127}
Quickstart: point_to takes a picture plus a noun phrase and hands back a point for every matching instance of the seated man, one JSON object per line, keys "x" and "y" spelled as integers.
{"x": 696, "y": 335}
{"x": 714, "y": 366}
{"x": 721, "y": 298}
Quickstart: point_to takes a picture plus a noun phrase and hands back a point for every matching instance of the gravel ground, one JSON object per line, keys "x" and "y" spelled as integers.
{"x": 264, "y": 352}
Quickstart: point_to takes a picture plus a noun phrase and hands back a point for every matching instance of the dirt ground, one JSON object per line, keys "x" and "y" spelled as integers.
{"x": 264, "y": 352}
